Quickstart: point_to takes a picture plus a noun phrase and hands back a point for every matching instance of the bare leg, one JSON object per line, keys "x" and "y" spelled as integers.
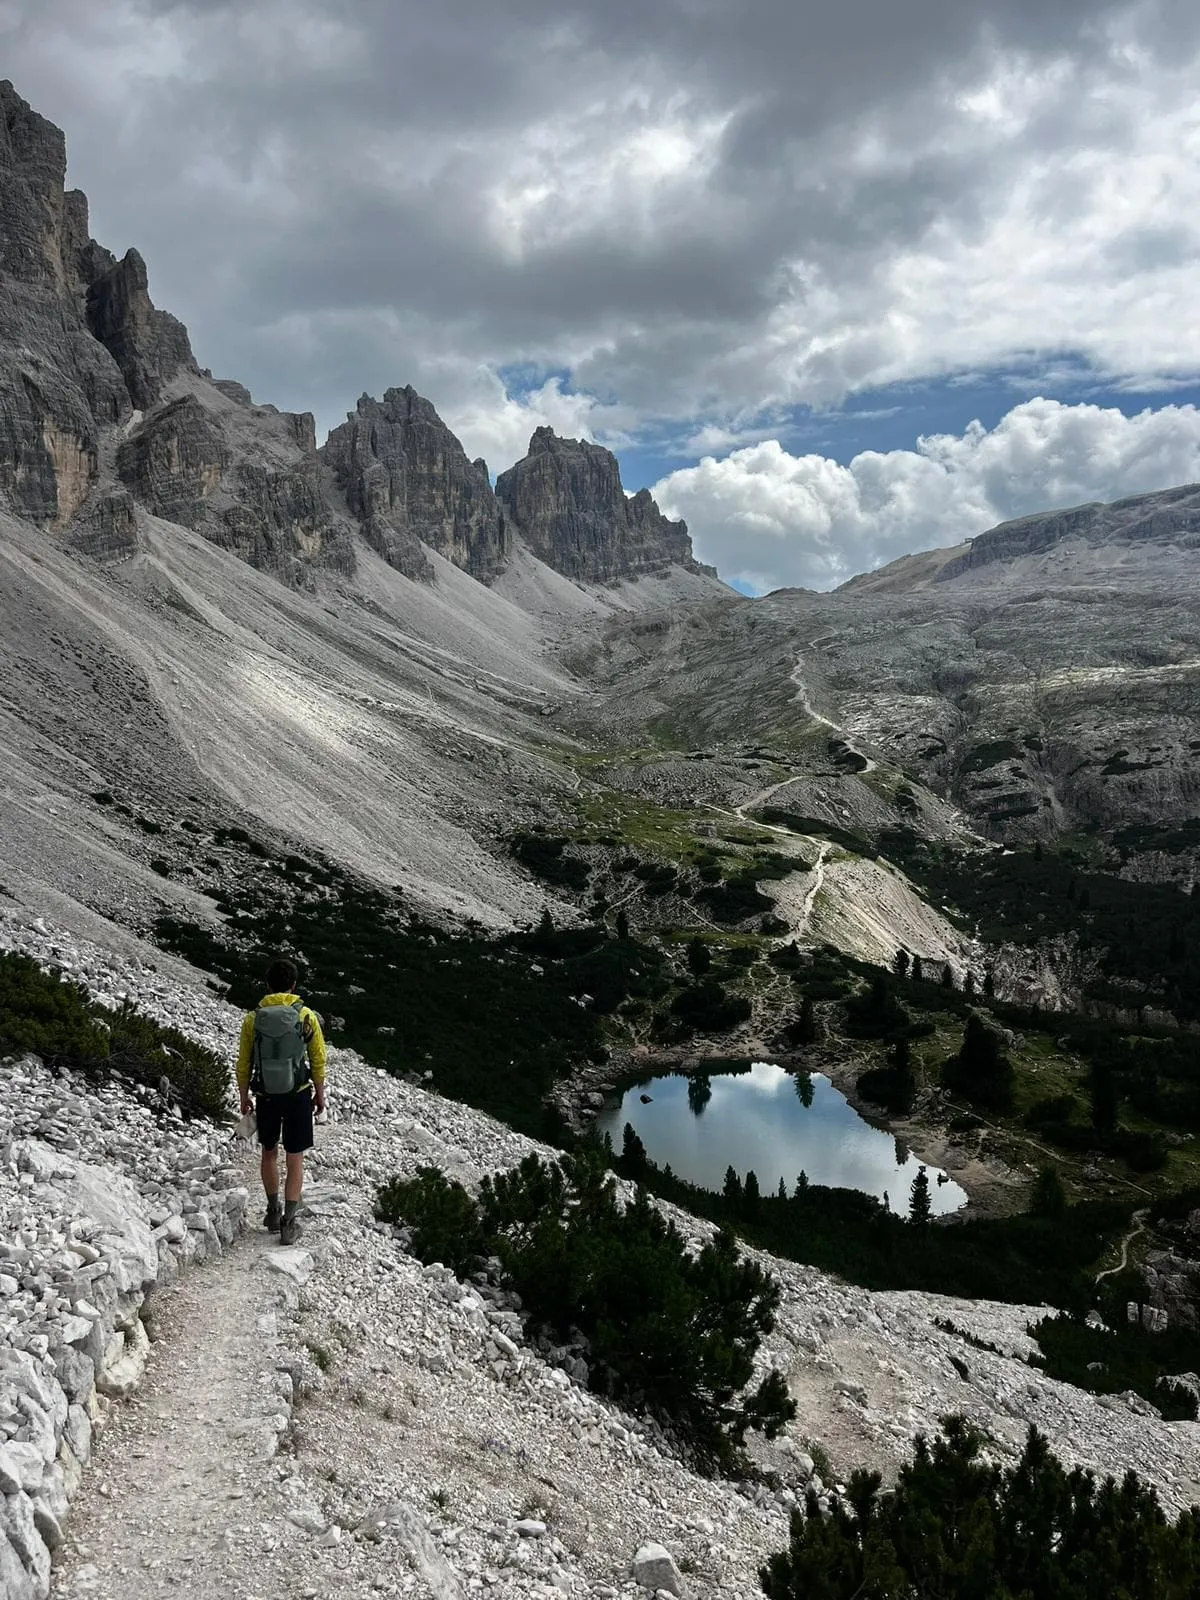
{"x": 295, "y": 1178}
{"x": 270, "y": 1171}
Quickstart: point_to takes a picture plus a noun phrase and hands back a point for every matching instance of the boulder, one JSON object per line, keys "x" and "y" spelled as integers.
{"x": 655, "y": 1569}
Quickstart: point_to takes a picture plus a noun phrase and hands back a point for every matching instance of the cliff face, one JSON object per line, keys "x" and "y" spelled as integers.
{"x": 103, "y": 408}
{"x": 567, "y": 501}
{"x": 1124, "y": 528}
{"x": 408, "y": 481}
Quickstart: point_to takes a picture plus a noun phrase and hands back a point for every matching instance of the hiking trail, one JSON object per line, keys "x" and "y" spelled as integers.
{"x": 177, "y": 1499}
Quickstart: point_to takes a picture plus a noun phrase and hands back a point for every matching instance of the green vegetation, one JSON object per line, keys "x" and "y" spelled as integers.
{"x": 58, "y": 1020}
{"x": 1112, "y": 1360}
{"x": 1017, "y": 1259}
{"x": 672, "y": 1333}
{"x": 1146, "y": 935}
{"x": 545, "y": 856}
{"x": 538, "y": 1000}
{"x": 960, "y": 1528}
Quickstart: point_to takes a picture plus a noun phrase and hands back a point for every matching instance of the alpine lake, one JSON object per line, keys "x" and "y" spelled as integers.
{"x": 754, "y": 1116}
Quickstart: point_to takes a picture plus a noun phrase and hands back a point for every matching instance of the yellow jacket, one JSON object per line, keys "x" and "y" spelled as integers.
{"x": 313, "y": 1038}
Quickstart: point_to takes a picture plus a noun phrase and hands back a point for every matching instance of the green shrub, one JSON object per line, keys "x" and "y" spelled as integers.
{"x": 671, "y": 1333}
{"x": 958, "y": 1526}
{"x": 707, "y": 1008}
{"x": 58, "y": 1020}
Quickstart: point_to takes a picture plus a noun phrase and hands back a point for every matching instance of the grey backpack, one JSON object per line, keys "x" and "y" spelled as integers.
{"x": 280, "y": 1051}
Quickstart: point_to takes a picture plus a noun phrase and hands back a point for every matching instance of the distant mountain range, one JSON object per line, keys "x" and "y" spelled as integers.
{"x": 210, "y": 621}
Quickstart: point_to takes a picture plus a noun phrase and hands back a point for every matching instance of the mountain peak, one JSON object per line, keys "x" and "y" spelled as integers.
{"x": 567, "y": 500}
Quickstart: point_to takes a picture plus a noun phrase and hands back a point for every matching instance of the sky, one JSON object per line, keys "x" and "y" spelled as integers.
{"x": 837, "y": 282}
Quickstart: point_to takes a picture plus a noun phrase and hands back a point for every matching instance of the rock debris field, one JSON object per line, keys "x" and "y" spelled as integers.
{"x": 186, "y": 1408}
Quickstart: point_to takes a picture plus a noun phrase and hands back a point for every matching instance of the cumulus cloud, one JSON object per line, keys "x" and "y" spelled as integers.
{"x": 696, "y": 213}
{"x": 771, "y": 519}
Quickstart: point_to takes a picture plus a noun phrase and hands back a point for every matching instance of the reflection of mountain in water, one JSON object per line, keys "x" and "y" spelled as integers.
{"x": 759, "y": 1118}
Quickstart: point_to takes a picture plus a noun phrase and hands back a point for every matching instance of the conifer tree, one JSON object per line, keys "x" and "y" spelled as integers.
{"x": 902, "y": 963}
{"x": 947, "y": 976}
{"x": 916, "y": 971}
{"x": 750, "y": 1196}
{"x": 634, "y": 1159}
{"x": 920, "y": 1208}
{"x": 622, "y": 923}
{"x": 699, "y": 957}
{"x": 1048, "y": 1198}
{"x": 733, "y": 1189}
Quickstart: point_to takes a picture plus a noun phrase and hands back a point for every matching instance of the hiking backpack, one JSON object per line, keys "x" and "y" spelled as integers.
{"x": 280, "y": 1050}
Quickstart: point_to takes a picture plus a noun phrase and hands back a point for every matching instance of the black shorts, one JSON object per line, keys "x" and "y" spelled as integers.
{"x": 288, "y": 1114}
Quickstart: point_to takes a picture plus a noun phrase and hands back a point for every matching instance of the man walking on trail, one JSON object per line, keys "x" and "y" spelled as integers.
{"x": 282, "y": 1059}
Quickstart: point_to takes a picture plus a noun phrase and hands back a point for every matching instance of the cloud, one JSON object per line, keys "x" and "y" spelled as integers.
{"x": 771, "y": 519}
{"x": 699, "y": 213}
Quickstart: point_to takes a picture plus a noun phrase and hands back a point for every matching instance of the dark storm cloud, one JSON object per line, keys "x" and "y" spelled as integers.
{"x": 698, "y": 209}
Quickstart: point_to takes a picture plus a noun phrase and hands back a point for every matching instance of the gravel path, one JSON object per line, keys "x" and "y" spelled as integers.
{"x": 178, "y": 1492}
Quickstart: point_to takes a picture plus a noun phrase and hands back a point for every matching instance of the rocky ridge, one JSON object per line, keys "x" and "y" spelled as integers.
{"x": 429, "y": 1423}
{"x": 104, "y": 411}
{"x": 566, "y": 498}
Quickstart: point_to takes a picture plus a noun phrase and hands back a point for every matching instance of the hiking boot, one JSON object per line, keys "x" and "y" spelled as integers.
{"x": 274, "y": 1217}
{"x": 288, "y": 1230}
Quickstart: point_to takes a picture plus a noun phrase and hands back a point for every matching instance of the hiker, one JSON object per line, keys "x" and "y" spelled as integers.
{"x": 281, "y": 1059}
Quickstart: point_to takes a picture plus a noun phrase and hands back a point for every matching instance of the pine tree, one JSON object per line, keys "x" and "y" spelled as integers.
{"x": 1047, "y": 1198}
{"x": 733, "y": 1190}
{"x": 622, "y": 923}
{"x": 989, "y": 983}
{"x": 947, "y": 976}
{"x": 980, "y": 1070}
{"x": 920, "y": 1208}
{"x": 916, "y": 971}
{"x": 781, "y": 1192}
{"x": 634, "y": 1159}
{"x": 699, "y": 957}
{"x": 969, "y": 983}
{"x": 750, "y": 1196}
{"x": 801, "y": 1188}
{"x": 902, "y": 963}
{"x": 699, "y": 1092}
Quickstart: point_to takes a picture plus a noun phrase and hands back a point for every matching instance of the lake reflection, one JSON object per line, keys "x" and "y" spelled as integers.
{"x": 777, "y": 1124}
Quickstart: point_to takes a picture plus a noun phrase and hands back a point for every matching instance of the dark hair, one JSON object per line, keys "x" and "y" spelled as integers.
{"x": 281, "y": 977}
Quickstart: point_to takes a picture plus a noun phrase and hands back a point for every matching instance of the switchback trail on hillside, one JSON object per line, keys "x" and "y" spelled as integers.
{"x": 179, "y": 1498}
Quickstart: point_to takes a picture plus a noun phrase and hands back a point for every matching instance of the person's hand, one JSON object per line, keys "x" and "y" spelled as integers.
{"x": 245, "y": 1097}
{"x": 320, "y": 1097}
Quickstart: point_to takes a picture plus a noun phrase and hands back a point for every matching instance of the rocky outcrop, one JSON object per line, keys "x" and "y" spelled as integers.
{"x": 83, "y": 350}
{"x": 566, "y": 499}
{"x": 1167, "y": 517}
{"x": 149, "y": 346}
{"x": 58, "y": 386}
{"x": 408, "y": 481}
{"x": 264, "y": 499}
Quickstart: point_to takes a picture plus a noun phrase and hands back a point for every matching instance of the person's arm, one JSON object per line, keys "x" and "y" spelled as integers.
{"x": 315, "y": 1040}
{"x": 245, "y": 1057}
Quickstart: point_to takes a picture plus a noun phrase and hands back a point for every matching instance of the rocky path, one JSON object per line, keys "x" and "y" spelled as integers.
{"x": 1139, "y": 1226}
{"x": 179, "y": 1500}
